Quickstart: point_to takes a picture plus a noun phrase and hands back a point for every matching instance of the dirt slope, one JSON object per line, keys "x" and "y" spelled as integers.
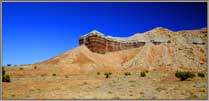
{"x": 82, "y": 59}
{"x": 181, "y": 53}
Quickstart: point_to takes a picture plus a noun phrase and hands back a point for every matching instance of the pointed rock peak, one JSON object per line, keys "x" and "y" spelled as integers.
{"x": 95, "y": 32}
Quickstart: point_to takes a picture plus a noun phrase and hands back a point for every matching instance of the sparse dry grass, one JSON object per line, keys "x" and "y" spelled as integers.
{"x": 92, "y": 86}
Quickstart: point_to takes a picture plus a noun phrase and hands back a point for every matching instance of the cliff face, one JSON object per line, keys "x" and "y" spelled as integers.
{"x": 99, "y": 43}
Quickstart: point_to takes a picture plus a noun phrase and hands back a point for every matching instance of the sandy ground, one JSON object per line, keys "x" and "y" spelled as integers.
{"x": 30, "y": 83}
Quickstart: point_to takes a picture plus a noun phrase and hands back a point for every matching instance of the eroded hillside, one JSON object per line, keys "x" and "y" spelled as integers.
{"x": 176, "y": 50}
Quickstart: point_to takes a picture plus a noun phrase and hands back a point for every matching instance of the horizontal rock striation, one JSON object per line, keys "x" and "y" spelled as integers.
{"x": 99, "y": 43}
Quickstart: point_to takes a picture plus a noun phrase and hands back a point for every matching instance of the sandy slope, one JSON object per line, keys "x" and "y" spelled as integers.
{"x": 179, "y": 54}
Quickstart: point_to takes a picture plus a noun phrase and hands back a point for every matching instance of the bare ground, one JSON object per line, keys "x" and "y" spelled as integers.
{"x": 30, "y": 83}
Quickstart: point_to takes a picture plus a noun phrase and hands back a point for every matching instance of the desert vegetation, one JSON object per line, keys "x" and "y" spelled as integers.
{"x": 35, "y": 67}
{"x": 5, "y": 77}
{"x": 107, "y": 74}
{"x": 127, "y": 73}
{"x": 184, "y": 75}
{"x": 143, "y": 74}
{"x": 138, "y": 85}
{"x": 98, "y": 73}
{"x": 54, "y": 74}
{"x": 201, "y": 75}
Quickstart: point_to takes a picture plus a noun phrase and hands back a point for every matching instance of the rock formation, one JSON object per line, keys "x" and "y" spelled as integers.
{"x": 153, "y": 49}
{"x": 99, "y": 43}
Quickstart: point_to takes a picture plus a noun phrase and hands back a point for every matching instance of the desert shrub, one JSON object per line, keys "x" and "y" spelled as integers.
{"x": 146, "y": 71}
{"x": 143, "y": 74}
{"x": 20, "y": 68}
{"x": 107, "y": 74}
{"x": 13, "y": 95}
{"x": 85, "y": 83}
{"x": 183, "y": 75}
{"x": 35, "y": 67}
{"x": 3, "y": 71}
{"x": 169, "y": 41}
{"x": 6, "y": 78}
{"x": 109, "y": 92}
{"x": 127, "y": 73}
{"x": 98, "y": 73}
{"x": 53, "y": 74}
{"x": 66, "y": 76}
{"x": 201, "y": 75}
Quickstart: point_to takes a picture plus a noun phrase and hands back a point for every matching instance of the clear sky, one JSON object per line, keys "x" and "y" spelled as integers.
{"x": 33, "y": 32}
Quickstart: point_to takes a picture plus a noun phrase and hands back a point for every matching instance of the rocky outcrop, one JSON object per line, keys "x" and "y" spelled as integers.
{"x": 99, "y": 43}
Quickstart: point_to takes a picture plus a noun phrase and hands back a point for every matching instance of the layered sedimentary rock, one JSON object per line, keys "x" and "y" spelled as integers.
{"x": 99, "y": 43}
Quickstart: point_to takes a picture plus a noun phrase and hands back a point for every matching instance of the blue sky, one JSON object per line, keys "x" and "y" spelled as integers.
{"x": 36, "y": 31}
